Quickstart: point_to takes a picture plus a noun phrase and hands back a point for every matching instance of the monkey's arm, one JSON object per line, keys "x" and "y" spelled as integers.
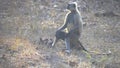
{"x": 63, "y": 27}
{"x": 65, "y": 24}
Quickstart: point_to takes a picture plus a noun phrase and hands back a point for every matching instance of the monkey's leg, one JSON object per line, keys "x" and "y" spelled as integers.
{"x": 55, "y": 40}
{"x": 67, "y": 43}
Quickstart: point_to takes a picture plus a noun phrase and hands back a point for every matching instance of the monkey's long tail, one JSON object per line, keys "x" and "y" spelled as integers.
{"x": 82, "y": 47}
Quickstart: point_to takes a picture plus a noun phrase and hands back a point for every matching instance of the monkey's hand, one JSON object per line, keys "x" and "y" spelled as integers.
{"x": 52, "y": 45}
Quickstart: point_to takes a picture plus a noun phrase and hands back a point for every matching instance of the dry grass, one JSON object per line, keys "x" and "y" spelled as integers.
{"x": 26, "y": 23}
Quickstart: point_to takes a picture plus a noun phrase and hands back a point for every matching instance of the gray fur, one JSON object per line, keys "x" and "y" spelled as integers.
{"x": 73, "y": 23}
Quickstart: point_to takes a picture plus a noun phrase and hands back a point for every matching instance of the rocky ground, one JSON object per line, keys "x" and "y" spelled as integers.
{"x": 27, "y": 28}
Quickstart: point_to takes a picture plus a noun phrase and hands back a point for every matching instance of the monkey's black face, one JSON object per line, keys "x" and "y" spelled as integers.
{"x": 71, "y": 7}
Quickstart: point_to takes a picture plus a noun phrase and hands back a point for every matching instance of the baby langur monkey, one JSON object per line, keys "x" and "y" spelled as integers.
{"x": 73, "y": 25}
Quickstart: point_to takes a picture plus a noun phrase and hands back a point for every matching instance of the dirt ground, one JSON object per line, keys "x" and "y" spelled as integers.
{"x": 23, "y": 23}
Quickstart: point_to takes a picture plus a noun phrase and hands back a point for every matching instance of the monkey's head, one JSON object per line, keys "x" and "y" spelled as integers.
{"x": 72, "y": 6}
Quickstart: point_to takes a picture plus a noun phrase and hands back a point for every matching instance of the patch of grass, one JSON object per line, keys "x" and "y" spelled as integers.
{"x": 24, "y": 47}
{"x": 84, "y": 65}
{"x": 88, "y": 55}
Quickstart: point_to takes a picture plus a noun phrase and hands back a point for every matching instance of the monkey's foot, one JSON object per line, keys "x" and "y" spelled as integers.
{"x": 51, "y": 46}
{"x": 67, "y": 51}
